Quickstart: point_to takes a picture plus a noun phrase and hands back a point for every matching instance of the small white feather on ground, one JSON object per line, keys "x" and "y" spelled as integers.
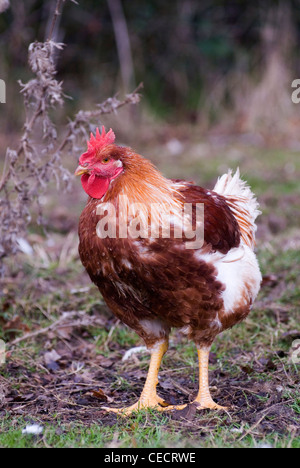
{"x": 135, "y": 350}
{"x": 33, "y": 429}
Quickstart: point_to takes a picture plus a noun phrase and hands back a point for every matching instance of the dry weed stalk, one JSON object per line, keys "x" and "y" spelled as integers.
{"x": 38, "y": 159}
{"x": 4, "y": 4}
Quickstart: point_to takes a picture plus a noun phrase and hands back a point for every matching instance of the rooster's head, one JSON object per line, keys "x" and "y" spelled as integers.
{"x": 99, "y": 164}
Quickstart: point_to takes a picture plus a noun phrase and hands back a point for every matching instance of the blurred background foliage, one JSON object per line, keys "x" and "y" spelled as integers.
{"x": 202, "y": 62}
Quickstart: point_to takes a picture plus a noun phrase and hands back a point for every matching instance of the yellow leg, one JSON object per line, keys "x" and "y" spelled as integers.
{"x": 203, "y": 398}
{"x": 149, "y": 397}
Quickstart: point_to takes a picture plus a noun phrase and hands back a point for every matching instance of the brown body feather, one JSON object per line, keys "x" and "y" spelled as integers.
{"x": 159, "y": 280}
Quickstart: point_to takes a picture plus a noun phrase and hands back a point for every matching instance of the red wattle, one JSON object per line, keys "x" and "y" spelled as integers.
{"x": 94, "y": 186}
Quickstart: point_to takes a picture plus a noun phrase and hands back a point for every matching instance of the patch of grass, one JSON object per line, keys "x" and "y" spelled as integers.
{"x": 147, "y": 430}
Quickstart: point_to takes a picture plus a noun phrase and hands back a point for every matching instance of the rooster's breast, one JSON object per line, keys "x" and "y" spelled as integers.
{"x": 160, "y": 281}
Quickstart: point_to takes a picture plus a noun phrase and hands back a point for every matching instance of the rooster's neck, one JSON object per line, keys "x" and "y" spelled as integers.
{"x": 142, "y": 188}
{"x": 141, "y": 182}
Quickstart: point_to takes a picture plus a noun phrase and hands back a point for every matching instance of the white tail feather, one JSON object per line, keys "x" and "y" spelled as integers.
{"x": 242, "y": 203}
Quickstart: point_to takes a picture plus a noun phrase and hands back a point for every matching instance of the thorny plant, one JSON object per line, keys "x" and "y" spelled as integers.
{"x": 38, "y": 159}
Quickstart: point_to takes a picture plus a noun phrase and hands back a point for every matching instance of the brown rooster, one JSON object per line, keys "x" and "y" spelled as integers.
{"x": 151, "y": 277}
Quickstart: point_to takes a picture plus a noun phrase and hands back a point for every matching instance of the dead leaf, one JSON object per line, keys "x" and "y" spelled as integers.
{"x": 65, "y": 332}
{"x": 269, "y": 280}
{"x": 100, "y": 395}
{"x": 50, "y": 359}
{"x": 105, "y": 362}
{"x": 270, "y": 365}
{"x": 247, "y": 369}
{"x": 51, "y": 356}
{"x": 14, "y": 325}
{"x": 290, "y": 335}
{"x": 187, "y": 413}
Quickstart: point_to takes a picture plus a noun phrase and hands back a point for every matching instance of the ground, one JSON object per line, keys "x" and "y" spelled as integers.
{"x": 70, "y": 364}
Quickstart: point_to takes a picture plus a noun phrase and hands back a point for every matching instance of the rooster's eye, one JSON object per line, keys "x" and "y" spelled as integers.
{"x": 85, "y": 164}
{"x": 105, "y": 160}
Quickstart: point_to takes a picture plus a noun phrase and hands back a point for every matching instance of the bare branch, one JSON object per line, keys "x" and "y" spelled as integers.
{"x": 81, "y": 319}
{"x": 123, "y": 42}
{"x": 84, "y": 119}
{"x": 29, "y": 168}
{"x": 57, "y": 12}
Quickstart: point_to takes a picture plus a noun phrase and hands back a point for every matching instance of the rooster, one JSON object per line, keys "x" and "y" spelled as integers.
{"x": 154, "y": 282}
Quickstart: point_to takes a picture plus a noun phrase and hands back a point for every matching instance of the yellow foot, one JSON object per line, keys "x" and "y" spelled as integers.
{"x": 151, "y": 402}
{"x": 210, "y": 404}
{"x": 204, "y": 404}
{"x": 160, "y": 405}
{"x": 175, "y": 407}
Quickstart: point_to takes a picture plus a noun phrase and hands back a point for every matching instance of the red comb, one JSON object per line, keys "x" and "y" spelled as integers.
{"x": 98, "y": 141}
{"x": 101, "y": 140}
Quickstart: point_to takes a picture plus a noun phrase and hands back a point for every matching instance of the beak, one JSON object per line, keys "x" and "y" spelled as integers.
{"x": 80, "y": 170}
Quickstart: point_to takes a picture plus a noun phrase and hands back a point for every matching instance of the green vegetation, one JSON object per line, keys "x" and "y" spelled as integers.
{"x": 250, "y": 367}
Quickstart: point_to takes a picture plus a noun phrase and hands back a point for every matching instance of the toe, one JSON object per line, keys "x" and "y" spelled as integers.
{"x": 210, "y": 404}
{"x": 155, "y": 402}
{"x": 172, "y": 407}
{"x": 126, "y": 411}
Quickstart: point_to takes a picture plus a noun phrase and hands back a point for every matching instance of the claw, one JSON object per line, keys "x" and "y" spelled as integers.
{"x": 200, "y": 406}
{"x": 153, "y": 402}
{"x": 210, "y": 404}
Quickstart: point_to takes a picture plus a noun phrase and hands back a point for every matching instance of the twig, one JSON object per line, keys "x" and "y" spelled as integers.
{"x": 179, "y": 387}
{"x": 54, "y": 19}
{"x": 58, "y": 323}
{"x": 266, "y": 411}
{"x": 253, "y": 427}
{"x": 108, "y": 106}
{"x": 44, "y": 438}
{"x": 123, "y": 42}
{"x": 28, "y": 129}
{"x": 105, "y": 345}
